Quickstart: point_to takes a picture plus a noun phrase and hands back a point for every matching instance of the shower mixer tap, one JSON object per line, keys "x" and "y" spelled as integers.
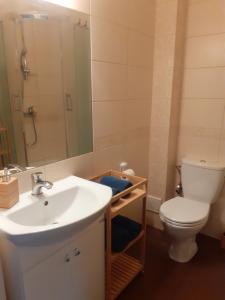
{"x": 30, "y": 112}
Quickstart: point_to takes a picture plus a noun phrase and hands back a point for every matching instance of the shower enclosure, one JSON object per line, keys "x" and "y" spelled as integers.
{"x": 49, "y": 86}
{"x": 7, "y": 152}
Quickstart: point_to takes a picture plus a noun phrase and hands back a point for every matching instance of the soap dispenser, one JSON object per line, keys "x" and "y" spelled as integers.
{"x": 9, "y": 190}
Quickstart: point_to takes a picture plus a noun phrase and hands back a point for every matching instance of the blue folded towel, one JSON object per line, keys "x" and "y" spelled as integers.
{"x": 117, "y": 185}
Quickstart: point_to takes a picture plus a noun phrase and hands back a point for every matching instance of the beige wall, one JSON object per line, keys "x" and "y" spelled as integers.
{"x": 202, "y": 123}
{"x": 202, "y": 102}
{"x": 122, "y": 41}
{"x": 168, "y": 66}
{"x": 122, "y": 44}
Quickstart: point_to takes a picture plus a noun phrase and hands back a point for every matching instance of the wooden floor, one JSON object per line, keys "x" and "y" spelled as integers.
{"x": 201, "y": 279}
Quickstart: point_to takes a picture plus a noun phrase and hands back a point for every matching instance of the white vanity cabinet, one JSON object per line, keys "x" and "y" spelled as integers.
{"x": 76, "y": 272}
{"x": 73, "y": 271}
{"x": 2, "y": 285}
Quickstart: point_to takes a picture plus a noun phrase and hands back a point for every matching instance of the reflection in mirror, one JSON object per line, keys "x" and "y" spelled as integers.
{"x": 45, "y": 85}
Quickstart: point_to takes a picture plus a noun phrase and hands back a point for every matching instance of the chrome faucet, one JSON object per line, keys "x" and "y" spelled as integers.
{"x": 39, "y": 183}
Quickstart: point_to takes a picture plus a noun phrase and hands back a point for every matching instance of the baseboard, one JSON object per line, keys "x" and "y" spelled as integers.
{"x": 153, "y": 204}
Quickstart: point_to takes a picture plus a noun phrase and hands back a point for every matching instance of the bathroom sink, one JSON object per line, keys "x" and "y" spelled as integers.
{"x": 71, "y": 202}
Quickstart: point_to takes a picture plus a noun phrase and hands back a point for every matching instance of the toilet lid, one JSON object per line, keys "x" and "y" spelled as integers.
{"x": 184, "y": 211}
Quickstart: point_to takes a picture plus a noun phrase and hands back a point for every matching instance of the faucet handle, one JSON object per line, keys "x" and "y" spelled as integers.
{"x": 37, "y": 177}
{"x": 6, "y": 175}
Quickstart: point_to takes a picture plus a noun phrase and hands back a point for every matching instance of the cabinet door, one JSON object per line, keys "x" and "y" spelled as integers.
{"x": 88, "y": 264}
{"x": 74, "y": 273}
{"x": 50, "y": 280}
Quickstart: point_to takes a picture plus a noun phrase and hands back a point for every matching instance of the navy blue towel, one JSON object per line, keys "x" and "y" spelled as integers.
{"x": 124, "y": 230}
{"x": 117, "y": 185}
{"x": 120, "y": 238}
{"x": 133, "y": 227}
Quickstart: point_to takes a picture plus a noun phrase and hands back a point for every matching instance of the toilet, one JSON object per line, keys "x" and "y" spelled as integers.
{"x": 183, "y": 217}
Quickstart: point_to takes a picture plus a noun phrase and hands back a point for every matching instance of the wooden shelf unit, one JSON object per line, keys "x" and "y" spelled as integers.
{"x": 122, "y": 268}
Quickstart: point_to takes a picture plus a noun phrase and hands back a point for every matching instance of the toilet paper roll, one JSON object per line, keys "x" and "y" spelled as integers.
{"x": 129, "y": 172}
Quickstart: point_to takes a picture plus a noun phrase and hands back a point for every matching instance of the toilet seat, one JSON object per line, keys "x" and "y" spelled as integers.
{"x": 183, "y": 225}
{"x": 183, "y": 212}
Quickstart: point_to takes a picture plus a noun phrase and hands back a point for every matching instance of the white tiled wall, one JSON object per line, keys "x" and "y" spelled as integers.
{"x": 203, "y": 100}
{"x": 168, "y": 63}
{"x": 122, "y": 69}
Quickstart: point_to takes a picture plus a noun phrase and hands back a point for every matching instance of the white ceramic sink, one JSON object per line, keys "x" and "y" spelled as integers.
{"x": 69, "y": 203}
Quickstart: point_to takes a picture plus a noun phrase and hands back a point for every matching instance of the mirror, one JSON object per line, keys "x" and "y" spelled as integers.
{"x": 45, "y": 83}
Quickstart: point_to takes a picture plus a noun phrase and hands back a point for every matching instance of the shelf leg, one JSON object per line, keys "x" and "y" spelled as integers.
{"x": 143, "y": 247}
{"x": 108, "y": 253}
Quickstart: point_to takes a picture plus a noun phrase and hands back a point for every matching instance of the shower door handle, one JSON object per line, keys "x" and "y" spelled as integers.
{"x": 69, "y": 102}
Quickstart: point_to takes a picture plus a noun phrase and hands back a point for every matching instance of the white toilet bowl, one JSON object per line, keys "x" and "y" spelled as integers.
{"x": 183, "y": 219}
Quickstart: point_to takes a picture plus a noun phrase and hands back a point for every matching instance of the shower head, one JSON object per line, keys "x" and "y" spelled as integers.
{"x": 34, "y": 15}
